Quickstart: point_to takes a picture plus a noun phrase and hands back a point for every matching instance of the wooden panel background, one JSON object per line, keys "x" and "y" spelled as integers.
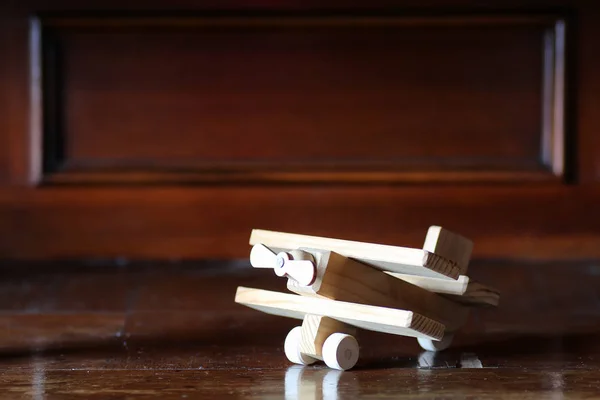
{"x": 370, "y": 127}
{"x": 300, "y": 99}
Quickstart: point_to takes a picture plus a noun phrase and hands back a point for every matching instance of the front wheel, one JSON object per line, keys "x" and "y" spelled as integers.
{"x": 340, "y": 351}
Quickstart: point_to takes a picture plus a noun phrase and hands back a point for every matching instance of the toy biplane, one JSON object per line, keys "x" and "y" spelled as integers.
{"x": 340, "y": 285}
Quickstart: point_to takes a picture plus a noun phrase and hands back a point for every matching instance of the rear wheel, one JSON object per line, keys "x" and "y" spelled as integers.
{"x": 436, "y": 345}
{"x": 291, "y": 347}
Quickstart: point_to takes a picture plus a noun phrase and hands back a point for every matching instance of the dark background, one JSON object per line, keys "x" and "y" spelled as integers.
{"x": 155, "y": 130}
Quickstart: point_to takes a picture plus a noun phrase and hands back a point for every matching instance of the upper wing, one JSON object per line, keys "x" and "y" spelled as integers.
{"x": 396, "y": 259}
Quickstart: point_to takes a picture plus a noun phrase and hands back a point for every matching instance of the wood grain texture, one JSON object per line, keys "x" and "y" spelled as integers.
{"x": 510, "y": 213}
{"x": 4, "y": 104}
{"x": 450, "y": 246}
{"x": 170, "y": 330}
{"x": 443, "y": 378}
{"x": 343, "y": 279}
{"x": 477, "y": 295}
{"x": 456, "y": 287}
{"x": 587, "y": 94}
{"x": 187, "y": 223}
{"x": 372, "y": 318}
{"x": 385, "y": 258}
{"x": 270, "y": 84}
{"x": 316, "y": 329}
{"x": 462, "y": 290}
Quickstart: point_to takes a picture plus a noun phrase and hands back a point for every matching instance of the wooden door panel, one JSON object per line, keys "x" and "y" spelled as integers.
{"x": 300, "y": 99}
{"x": 170, "y": 130}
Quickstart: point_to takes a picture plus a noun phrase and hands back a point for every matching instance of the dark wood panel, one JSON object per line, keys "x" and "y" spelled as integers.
{"x": 506, "y": 223}
{"x": 311, "y": 98}
{"x": 4, "y": 105}
{"x": 538, "y": 220}
{"x": 21, "y": 149}
{"x": 586, "y": 93}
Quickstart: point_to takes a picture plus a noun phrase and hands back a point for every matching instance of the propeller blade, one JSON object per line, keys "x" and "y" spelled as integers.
{"x": 262, "y": 257}
{"x": 302, "y": 271}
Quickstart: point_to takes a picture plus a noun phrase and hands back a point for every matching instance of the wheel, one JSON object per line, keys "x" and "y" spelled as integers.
{"x": 291, "y": 347}
{"x": 434, "y": 345}
{"x": 340, "y": 351}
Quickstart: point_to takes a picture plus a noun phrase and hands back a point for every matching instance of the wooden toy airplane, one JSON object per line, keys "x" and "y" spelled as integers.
{"x": 341, "y": 285}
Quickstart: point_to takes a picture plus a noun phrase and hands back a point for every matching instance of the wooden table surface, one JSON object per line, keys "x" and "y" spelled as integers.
{"x": 173, "y": 331}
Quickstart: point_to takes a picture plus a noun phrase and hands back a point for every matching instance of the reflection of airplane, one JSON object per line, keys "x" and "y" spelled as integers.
{"x": 344, "y": 285}
{"x": 303, "y": 384}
